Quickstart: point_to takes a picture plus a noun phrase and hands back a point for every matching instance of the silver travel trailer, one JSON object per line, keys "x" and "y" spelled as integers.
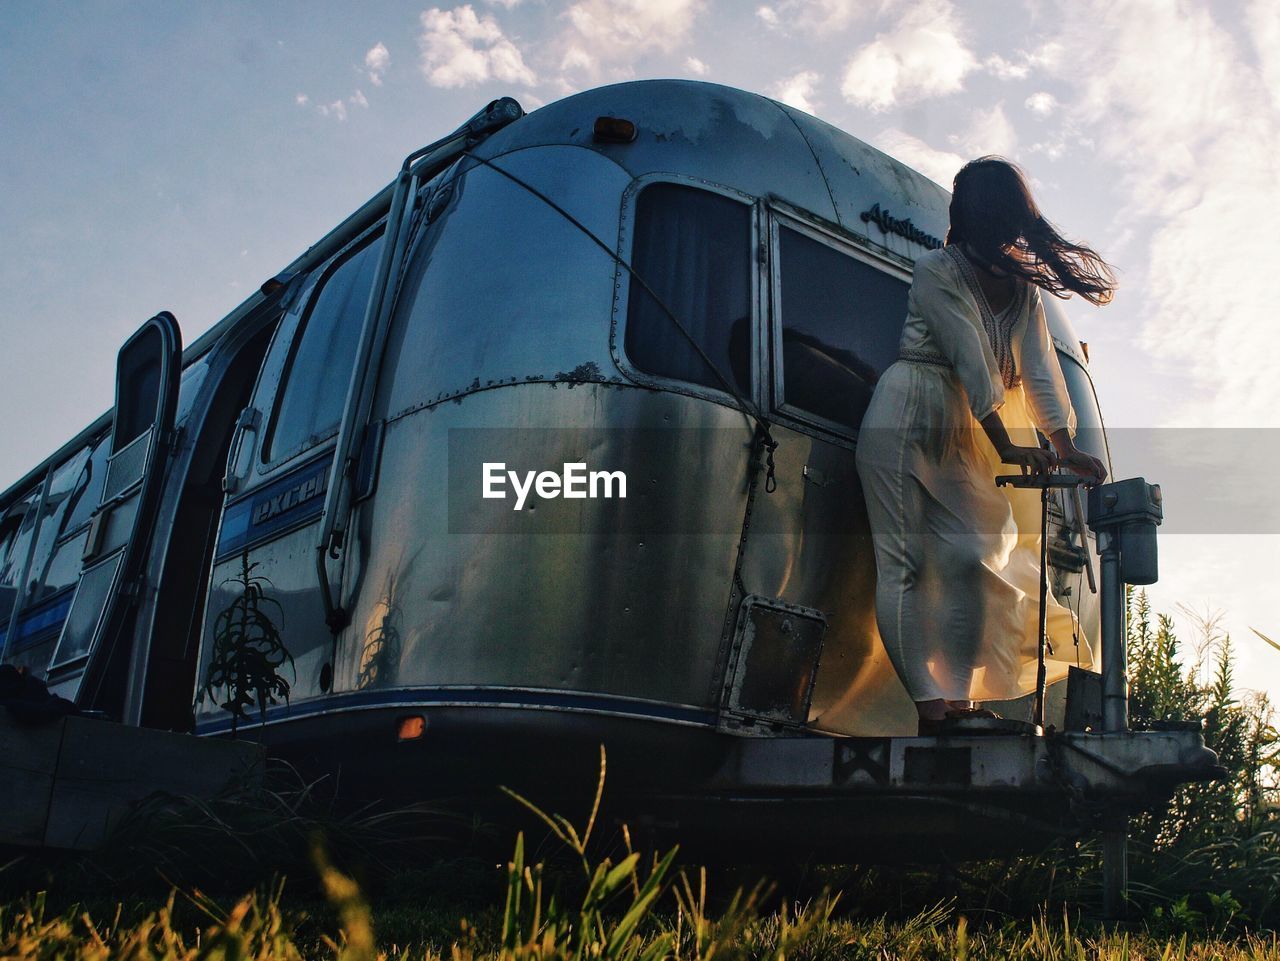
{"x": 685, "y": 285}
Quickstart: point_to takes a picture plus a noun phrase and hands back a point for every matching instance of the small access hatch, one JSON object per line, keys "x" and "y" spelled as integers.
{"x": 773, "y": 664}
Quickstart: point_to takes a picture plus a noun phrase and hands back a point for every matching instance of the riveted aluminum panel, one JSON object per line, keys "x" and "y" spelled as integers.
{"x": 633, "y": 607}
{"x": 703, "y": 130}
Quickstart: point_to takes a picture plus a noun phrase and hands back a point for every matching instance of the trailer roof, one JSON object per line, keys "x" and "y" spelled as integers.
{"x": 704, "y": 130}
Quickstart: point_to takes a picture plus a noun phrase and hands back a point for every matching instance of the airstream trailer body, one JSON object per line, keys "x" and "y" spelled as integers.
{"x": 684, "y": 284}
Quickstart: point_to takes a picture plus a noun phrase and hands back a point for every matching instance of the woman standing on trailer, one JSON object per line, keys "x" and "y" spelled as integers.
{"x": 957, "y": 559}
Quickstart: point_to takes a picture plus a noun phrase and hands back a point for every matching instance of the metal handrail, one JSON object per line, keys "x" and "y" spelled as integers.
{"x": 418, "y": 166}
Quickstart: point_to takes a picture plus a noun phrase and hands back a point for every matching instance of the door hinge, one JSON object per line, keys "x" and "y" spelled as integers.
{"x": 93, "y": 541}
{"x": 170, "y": 439}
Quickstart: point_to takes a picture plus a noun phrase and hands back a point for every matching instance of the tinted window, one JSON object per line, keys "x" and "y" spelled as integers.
{"x": 140, "y": 392}
{"x": 84, "y": 501}
{"x": 309, "y": 401}
{"x": 841, "y": 323}
{"x": 62, "y": 568}
{"x": 693, "y": 248}
{"x": 57, "y": 566}
{"x": 16, "y": 530}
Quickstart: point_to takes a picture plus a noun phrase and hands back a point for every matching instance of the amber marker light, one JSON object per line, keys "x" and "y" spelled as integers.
{"x": 613, "y": 130}
{"x": 276, "y": 284}
{"x": 412, "y": 728}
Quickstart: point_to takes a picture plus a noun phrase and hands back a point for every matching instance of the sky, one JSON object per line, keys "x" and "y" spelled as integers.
{"x": 158, "y": 155}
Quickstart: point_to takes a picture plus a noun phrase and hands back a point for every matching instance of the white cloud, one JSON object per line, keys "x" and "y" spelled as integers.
{"x": 923, "y": 56}
{"x": 336, "y": 109}
{"x": 797, "y": 90}
{"x": 1048, "y": 55}
{"x": 1004, "y": 69}
{"x": 1041, "y": 103}
{"x": 1189, "y": 121}
{"x": 1053, "y": 149}
{"x": 376, "y": 61}
{"x": 939, "y": 166}
{"x": 605, "y": 37}
{"x": 506, "y": 3}
{"x": 459, "y": 48}
{"x": 575, "y": 58}
{"x": 987, "y": 131}
{"x": 1263, "y": 20}
{"x": 815, "y": 17}
{"x": 375, "y": 64}
{"x": 696, "y": 67}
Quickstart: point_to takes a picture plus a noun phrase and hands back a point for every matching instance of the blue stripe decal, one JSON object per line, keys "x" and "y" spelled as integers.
{"x": 293, "y": 500}
{"x": 40, "y": 623}
{"x": 476, "y": 697}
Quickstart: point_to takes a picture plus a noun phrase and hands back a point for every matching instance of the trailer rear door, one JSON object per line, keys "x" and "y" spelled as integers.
{"x": 93, "y": 645}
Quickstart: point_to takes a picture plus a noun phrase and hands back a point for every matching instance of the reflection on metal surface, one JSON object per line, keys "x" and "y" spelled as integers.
{"x": 248, "y": 651}
{"x": 380, "y": 656}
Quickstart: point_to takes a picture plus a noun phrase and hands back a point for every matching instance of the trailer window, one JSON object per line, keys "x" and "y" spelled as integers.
{"x": 56, "y": 562}
{"x": 314, "y": 385}
{"x": 841, "y": 322}
{"x": 693, "y": 248}
{"x": 17, "y": 527}
{"x": 139, "y": 395}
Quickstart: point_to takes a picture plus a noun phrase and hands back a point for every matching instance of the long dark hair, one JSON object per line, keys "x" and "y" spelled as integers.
{"x": 993, "y": 213}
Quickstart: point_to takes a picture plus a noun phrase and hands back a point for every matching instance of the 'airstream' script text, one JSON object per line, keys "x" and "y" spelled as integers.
{"x": 575, "y": 481}
{"x": 903, "y": 227}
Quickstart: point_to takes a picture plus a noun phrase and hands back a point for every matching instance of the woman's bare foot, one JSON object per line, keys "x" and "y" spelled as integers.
{"x": 935, "y": 714}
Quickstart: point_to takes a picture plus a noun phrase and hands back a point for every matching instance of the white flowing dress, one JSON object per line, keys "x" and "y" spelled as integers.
{"x": 958, "y": 559}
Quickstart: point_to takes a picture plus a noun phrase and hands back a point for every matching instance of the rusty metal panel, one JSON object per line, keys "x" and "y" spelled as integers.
{"x": 774, "y": 663}
{"x": 1084, "y": 701}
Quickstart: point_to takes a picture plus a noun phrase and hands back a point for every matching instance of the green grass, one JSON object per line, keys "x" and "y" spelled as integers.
{"x": 581, "y": 904}
{"x": 634, "y": 909}
{"x": 417, "y": 882}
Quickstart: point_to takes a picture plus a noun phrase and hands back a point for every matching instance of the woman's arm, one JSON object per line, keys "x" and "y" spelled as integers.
{"x": 1036, "y": 459}
{"x": 1047, "y": 393}
{"x": 1074, "y": 459}
{"x": 955, "y": 326}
